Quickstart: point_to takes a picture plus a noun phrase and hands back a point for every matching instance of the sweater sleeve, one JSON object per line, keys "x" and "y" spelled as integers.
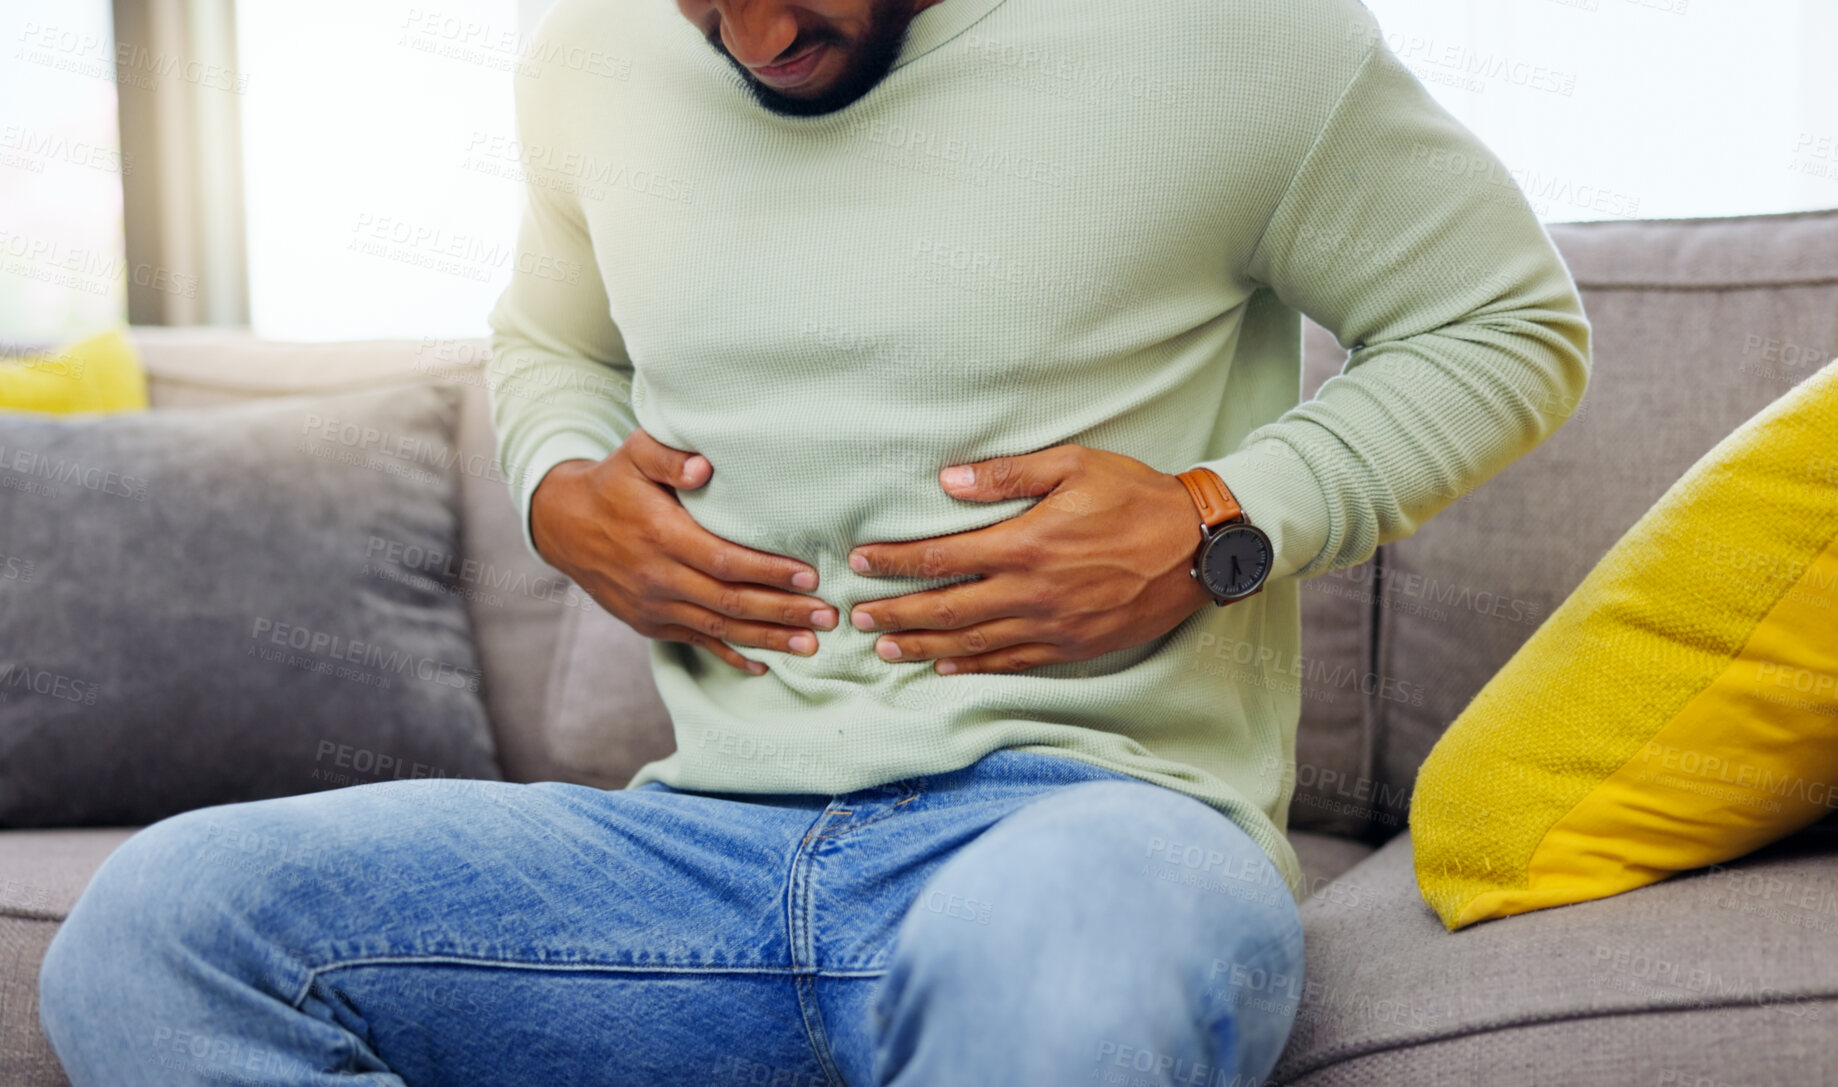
{"x": 1405, "y": 237}
{"x": 560, "y": 379}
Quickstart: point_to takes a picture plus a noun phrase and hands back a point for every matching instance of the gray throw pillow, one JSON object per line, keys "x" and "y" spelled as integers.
{"x": 214, "y": 605}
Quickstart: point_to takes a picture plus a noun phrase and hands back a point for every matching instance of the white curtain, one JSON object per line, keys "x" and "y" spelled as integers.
{"x": 180, "y": 92}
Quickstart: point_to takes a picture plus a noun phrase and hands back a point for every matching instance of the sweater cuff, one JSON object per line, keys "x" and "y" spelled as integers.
{"x": 551, "y": 451}
{"x": 1279, "y": 494}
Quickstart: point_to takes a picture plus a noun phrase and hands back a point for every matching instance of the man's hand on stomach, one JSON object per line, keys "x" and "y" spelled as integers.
{"x": 1101, "y": 562}
{"x": 615, "y": 526}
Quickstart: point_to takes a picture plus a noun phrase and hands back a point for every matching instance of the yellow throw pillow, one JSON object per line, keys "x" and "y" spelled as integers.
{"x": 1678, "y": 710}
{"x": 101, "y": 374}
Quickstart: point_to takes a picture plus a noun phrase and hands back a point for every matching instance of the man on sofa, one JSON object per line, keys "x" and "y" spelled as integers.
{"x": 922, "y": 377}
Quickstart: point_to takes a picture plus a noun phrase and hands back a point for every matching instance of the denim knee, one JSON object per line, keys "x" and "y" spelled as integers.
{"x": 1066, "y": 937}
{"x": 156, "y": 892}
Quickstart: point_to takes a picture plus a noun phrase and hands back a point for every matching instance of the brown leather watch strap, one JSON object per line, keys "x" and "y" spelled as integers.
{"x": 1215, "y": 501}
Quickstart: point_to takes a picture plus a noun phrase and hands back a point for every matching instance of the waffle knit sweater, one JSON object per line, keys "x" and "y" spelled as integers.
{"x": 1054, "y": 221}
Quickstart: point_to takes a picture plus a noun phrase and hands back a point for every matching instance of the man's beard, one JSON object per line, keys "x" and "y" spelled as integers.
{"x": 867, "y": 61}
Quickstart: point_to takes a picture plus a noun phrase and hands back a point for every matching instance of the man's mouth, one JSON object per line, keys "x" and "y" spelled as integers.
{"x": 792, "y": 72}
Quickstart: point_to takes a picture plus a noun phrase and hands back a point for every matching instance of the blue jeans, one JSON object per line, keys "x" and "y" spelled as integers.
{"x": 1029, "y": 919}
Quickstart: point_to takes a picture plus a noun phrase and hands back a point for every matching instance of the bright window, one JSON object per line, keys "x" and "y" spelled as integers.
{"x": 373, "y": 209}
{"x": 62, "y": 254}
{"x": 377, "y": 208}
{"x": 1651, "y": 109}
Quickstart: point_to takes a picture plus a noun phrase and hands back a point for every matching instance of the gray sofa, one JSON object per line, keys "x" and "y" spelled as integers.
{"x": 1724, "y": 977}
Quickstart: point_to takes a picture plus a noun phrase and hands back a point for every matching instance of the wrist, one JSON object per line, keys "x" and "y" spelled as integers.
{"x": 550, "y": 489}
{"x": 1235, "y": 557}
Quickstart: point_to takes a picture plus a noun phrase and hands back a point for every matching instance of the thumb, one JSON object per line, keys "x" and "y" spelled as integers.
{"x": 1011, "y": 477}
{"x": 660, "y": 463}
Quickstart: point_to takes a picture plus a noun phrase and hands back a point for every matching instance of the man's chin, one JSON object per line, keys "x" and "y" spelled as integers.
{"x": 839, "y": 94}
{"x": 864, "y": 63}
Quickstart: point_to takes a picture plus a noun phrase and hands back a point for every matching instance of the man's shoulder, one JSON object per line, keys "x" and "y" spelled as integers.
{"x": 582, "y": 46}
{"x": 1278, "y": 65}
{"x": 1294, "y": 24}
{"x": 568, "y": 21}
{"x": 1298, "y": 53}
{"x": 599, "y": 38}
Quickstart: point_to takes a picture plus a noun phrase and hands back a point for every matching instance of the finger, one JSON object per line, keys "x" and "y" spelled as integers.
{"x": 984, "y": 638}
{"x": 703, "y": 641}
{"x": 941, "y": 556}
{"x": 796, "y": 640}
{"x": 761, "y": 605}
{"x": 661, "y": 464}
{"x": 1012, "y": 477}
{"x": 950, "y": 608}
{"x": 725, "y": 560}
{"x": 1018, "y": 658}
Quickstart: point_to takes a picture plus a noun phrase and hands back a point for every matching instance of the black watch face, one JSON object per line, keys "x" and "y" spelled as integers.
{"x": 1236, "y": 562}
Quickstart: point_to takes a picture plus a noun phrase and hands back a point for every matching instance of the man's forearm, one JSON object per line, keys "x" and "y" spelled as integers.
{"x": 1469, "y": 342}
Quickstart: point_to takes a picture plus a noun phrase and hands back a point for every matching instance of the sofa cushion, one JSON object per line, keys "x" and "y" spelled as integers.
{"x": 43, "y": 871}
{"x": 226, "y": 604}
{"x": 41, "y": 874}
{"x": 515, "y": 602}
{"x": 1677, "y": 710}
{"x": 604, "y": 717}
{"x": 102, "y": 373}
{"x": 1324, "y": 858}
{"x": 1698, "y": 325}
{"x": 1596, "y": 990}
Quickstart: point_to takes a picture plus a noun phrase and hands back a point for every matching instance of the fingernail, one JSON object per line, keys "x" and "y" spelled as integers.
{"x": 803, "y": 643}
{"x": 756, "y": 667}
{"x": 889, "y": 651}
{"x": 804, "y": 579}
{"x": 824, "y": 618}
{"x": 862, "y": 620}
{"x": 689, "y": 466}
{"x": 961, "y": 476}
{"x": 858, "y": 563}
{"x": 945, "y": 668}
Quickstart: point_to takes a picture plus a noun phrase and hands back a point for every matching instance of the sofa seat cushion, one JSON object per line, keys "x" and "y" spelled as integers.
{"x": 1618, "y": 990}
{"x": 1324, "y": 857}
{"x": 41, "y": 874}
{"x": 43, "y": 871}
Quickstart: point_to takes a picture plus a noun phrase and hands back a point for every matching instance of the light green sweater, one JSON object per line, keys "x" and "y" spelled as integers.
{"x": 1055, "y": 221}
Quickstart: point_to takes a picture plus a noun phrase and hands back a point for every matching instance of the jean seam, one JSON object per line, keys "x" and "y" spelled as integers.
{"x": 799, "y": 900}
{"x": 314, "y": 973}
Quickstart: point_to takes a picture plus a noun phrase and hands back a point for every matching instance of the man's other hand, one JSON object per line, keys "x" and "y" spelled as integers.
{"x": 1101, "y": 562}
{"x": 615, "y": 526}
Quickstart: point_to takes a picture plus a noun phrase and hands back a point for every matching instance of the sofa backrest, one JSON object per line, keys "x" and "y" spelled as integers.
{"x": 1697, "y": 325}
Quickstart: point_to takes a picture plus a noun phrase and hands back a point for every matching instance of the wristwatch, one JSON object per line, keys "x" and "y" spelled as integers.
{"x": 1235, "y": 555}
